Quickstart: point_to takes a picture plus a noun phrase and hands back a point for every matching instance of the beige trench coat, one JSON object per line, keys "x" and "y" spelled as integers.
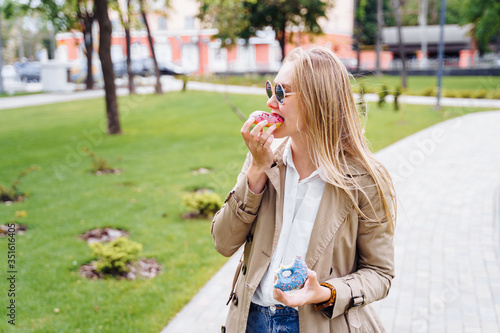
{"x": 356, "y": 256}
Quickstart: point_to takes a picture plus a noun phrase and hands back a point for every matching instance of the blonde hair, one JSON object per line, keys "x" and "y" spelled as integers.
{"x": 333, "y": 129}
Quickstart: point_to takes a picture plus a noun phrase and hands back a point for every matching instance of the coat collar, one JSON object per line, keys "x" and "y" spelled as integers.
{"x": 335, "y": 205}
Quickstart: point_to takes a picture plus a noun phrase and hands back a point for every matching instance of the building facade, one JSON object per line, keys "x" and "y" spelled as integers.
{"x": 180, "y": 39}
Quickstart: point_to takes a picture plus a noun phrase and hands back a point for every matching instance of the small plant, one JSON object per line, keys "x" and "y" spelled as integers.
{"x": 481, "y": 93}
{"x": 397, "y": 93}
{"x": 13, "y": 194}
{"x": 202, "y": 203}
{"x": 114, "y": 257}
{"x": 362, "y": 102}
{"x": 382, "y": 95}
{"x": 466, "y": 93}
{"x": 99, "y": 165}
{"x": 429, "y": 91}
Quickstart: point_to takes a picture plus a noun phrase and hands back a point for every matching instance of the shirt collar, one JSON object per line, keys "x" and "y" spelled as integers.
{"x": 288, "y": 161}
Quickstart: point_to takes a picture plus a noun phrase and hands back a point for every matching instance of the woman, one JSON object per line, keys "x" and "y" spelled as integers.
{"x": 320, "y": 195}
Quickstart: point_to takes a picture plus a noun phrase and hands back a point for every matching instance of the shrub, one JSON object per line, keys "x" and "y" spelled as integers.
{"x": 429, "y": 91}
{"x": 495, "y": 94}
{"x": 114, "y": 256}
{"x": 13, "y": 193}
{"x": 466, "y": 93}
{"x": 99, "y": 165}
{"x": 202, "y": 203}
{"x": 362, "y": 102}
{"x": 382, "y": 95}
{"x": 481, "y": 93}
{"x": 450, "y": 93}
{"x": 397, "y": 93}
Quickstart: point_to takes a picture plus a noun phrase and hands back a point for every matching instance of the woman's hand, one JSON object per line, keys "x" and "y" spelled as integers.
{"x": 311, "y": 293}
{"x": 259, "y": 145}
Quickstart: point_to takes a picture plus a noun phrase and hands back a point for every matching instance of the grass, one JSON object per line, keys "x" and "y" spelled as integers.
{"x": 165, "y": 138}
{"x": 453, "y": 86}
{"x": 24, "y": 93}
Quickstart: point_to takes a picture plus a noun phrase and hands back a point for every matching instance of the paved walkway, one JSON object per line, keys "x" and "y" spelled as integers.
{"x": 171, "y": 84}
{"x": 447, "y": 237}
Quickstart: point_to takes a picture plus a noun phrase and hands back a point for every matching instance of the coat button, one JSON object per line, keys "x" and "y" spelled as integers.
{"x": 244, "y": 269}
{"x": 223, "y": 329}
{"x": 235, "y": 300}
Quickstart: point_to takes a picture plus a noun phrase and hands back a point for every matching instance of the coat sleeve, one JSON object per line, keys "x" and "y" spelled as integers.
{"x": 232, "y": 223}
{"x": 375, "y": 253}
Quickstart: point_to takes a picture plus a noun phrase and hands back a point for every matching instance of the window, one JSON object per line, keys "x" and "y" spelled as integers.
{"x": 189, "y": 22}
{"x": 162, "y": 23}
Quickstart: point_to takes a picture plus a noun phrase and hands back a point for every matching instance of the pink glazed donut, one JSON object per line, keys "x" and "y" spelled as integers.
{"x": 291, "y": 277}
{"x": 272, "y": 118}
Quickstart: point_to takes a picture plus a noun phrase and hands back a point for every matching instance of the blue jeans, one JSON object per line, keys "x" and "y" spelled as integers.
{"x": 264, "y": 320}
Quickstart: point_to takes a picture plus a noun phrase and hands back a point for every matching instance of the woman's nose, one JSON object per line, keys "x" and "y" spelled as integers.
{"x": 272, "y": 102}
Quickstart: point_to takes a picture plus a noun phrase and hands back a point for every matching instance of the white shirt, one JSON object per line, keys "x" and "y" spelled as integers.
{"x": 301, "y": 203}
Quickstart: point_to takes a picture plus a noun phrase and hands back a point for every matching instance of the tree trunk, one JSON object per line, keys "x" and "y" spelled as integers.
{"x": 380, "y": 24}
{"x": 107, "y": 66}
{"x": 130, "y": 73}
{"x": 397, "y": 12}
{"x": 1, "y": 57}
{"x": 89, "y": 50}
{"x": 357, "y": 25}
{"x": 159, "y": 89}
{"x": 20, "y": 38}
{"x": 280, "y": 35}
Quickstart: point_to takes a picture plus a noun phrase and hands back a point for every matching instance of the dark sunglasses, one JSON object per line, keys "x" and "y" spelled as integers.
{"x": 279, "y": 91}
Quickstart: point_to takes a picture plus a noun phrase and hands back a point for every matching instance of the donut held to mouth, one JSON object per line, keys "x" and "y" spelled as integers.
{"x": 272, "y": 118}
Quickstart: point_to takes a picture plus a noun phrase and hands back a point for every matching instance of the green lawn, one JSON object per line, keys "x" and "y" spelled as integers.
{"x": 165, "y": 138}
{"x": 453, "y": 86}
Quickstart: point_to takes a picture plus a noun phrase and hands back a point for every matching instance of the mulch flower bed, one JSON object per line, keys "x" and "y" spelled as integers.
{"x": 103, "y": 235}
{"x": 145, "y": 268}
{"x": 20, "y": 229}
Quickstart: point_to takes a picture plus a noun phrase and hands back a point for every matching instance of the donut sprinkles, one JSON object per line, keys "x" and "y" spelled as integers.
{"x": 291, "y": 277}
{"x": 272, "y": 118}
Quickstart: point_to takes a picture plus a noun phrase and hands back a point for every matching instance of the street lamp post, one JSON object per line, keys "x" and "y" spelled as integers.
{"x": 441, "y": 53}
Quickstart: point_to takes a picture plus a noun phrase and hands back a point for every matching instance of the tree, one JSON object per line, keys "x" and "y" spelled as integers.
{"x": 1, "y": 54}
{"x": 85, "y": 11}
{"x": 397, "y": 4}
{"x": 484, "y": 16}
{"x": 126, "y": 20}
{"x": 241, "y": 19}
{"x": 105, "y": 30}
{"x": 159, "y": 89}
{"x": 359, "y": 15}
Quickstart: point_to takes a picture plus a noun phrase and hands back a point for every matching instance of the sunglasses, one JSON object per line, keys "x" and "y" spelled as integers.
{"x": 279, "y": 91}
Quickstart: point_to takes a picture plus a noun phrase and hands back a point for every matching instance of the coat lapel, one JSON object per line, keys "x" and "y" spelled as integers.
{"x": 333, "y": 209}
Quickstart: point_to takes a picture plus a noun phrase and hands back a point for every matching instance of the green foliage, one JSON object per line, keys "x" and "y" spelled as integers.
{"x": 99, "y": 164}
{"x": 484, "y": 15}
{"x": 429, "y": 91}
{"x": 397, "y": 93}
{"x": 362, "y": 102}
{"x": 13, "y": 193}
{"x": 382, "y": 94}
{"x": 203, "y": 203}
{"x": 114, "y": 256}
{"x": 241, "y": 19}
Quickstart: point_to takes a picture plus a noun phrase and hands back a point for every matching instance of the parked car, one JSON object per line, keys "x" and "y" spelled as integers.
{"x": 29, "y": 71}
{"x": 142, "y": 67}
{"x": 168, "y": 68}
{"x": 9, "y": 73}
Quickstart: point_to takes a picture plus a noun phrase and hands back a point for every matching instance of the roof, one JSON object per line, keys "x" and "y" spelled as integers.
{"x": 453, "y": 33}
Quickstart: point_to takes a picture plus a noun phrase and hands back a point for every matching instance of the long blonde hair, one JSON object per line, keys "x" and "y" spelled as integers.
{"x": 333, "y": 130}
